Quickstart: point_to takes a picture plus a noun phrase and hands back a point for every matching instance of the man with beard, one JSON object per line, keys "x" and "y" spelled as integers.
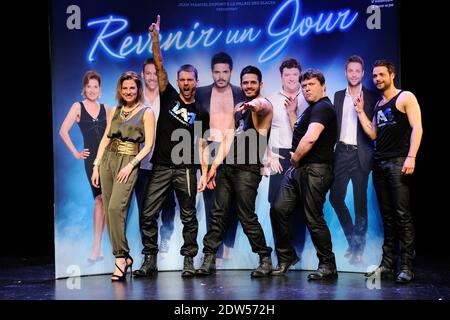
{"x": 152, "y": 100}
{"x": 308, "y": 179}
{"x": 352, "y": 159}
{"x": 396, "y": 128}
{"x": 174, "y": 167}
{"x": 241, "y": 174}
{"x": 219, "y": 99}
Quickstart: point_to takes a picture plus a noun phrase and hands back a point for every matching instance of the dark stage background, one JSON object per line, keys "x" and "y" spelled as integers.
{"x": 28, "y": 199}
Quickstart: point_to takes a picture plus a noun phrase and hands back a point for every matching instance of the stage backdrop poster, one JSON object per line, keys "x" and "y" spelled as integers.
{"x": 110, "y": 36}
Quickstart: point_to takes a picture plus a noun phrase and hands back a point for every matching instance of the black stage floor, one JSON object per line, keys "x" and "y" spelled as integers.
{"x": 33, "y": 279}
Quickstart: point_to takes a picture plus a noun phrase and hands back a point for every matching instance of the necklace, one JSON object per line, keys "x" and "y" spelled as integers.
{"x": 126, "y": 114}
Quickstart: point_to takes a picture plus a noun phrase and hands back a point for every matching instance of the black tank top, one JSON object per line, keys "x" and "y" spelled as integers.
{"x": 393, "y": 131}
{"x": 249, "y": 145}
{"x": 92, "y": 129}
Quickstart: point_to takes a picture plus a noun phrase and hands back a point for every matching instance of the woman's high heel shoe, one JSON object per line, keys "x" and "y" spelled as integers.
{"x": 129, "y": 264}
{"x": 122, "y": 277}
{"x": 129, "y": 260}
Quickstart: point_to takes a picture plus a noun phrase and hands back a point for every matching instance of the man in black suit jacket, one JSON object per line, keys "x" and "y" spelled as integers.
{"x": 219, "y": 99}
{"x": 353, "y": 159}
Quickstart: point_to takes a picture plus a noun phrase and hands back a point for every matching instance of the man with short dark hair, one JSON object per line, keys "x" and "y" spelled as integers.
{"x": 308, "y": 180}
{"x": 352, "y": 159}
{"x": 240, "y": 175}
{"x": 396, "y": 128}
{"x": 288, "y": 104}
{"x": 173, "y": 169}
{"x": 219, "y": 99}
{"x": 152, "y": 100}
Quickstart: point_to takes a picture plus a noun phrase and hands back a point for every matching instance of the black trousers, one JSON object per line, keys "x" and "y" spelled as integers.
{"x": 162, "y": 181}
{"x": 168, "y": 208}
{"x": 297, "y": 222}
{"x": 347, "y": 167}
{"x": 232, "y": 222}
{"x": 393, "y": 193}
{"x": 241, "y": 187}
{"x": 307, "y": 186}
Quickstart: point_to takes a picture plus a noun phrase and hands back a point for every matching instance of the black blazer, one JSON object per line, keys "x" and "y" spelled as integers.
{"x": 365, "y": 144}
{"x": 203, "y": 96}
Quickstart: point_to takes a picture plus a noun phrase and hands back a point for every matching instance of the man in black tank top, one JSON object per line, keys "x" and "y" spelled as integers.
{"x": 397, "y": 130}
{"x": 308, "y": 180}
{"x": 240, "y": 176}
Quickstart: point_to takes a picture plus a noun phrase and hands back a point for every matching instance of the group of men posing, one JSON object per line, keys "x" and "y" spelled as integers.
{"x": 293, "y": 134}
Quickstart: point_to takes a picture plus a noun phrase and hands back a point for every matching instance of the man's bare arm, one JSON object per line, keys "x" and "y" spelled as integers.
{"x": 157, "y": 55}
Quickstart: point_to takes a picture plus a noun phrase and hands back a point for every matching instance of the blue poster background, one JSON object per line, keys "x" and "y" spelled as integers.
{"x": 112, "y": 38}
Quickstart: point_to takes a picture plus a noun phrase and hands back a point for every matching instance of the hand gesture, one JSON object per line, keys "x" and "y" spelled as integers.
{"x": 290, "y": 104}
{"x": 358, "y": 102}
{"x": 154, "y": 27}
{"x": 250, "y": 105}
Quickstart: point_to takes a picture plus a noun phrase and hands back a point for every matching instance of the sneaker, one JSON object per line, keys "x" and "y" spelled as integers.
{"x": 164, "y": 246}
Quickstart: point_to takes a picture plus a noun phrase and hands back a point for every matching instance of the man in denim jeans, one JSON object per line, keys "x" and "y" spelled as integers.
{"x": 397, "y": 130}
{"x": 308, "y": 180}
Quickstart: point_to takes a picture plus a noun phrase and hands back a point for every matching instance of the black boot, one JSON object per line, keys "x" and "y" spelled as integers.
{"x": 148, "y": 268}
{"x": 208, "y": 266}
{"x": 264, "y": 268}
{"x": 323, "y": 273}
{"x": 283, "y": 267}
{"x": 188, "y": 267}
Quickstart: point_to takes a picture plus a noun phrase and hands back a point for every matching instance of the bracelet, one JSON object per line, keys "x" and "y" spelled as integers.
{"x": 410, "y": 157}
{"x": 96, "y": 162}
{"x": 134, "y": 162}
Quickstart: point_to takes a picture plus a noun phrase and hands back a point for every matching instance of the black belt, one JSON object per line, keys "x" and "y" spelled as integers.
{"x": 347, "y": 147}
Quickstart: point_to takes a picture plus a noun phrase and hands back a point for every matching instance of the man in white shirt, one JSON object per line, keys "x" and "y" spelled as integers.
{"x": 151, "y": 100}
{"x": 353, "y": 159}
{"x": 288, "y": 104}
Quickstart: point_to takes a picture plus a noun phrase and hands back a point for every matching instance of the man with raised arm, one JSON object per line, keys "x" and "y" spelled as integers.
{"x": 173, "y": 161}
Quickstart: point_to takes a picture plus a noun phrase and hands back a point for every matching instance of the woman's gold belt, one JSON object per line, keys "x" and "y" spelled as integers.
{"x": 123, "y": 147}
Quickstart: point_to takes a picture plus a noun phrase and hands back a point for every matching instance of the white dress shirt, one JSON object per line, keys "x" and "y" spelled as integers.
{"x": 281, "y": 131}
{"x": 155, "y": 106}
{"x": 349, "y": 120}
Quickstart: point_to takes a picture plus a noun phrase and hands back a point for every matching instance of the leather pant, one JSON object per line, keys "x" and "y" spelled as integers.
{"x": 393, "y": 193}
{"x": 306, "y": 186}
{"x": 241, "y": 187}
{"x": 162, "y": 181}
